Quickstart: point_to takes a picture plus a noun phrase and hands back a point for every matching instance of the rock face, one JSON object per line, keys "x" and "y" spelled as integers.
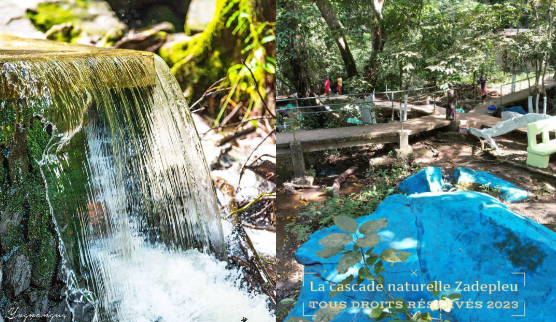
{"x": 18, "y": 274}
{"x": 427, "y": 180}
{"x": 465, "y": 237}
{"x": 508, "y": 191}
{"x": 28, "y": 244}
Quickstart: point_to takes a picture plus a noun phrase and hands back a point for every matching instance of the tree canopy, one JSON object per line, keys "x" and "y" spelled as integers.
{"x": 409, "y": 42}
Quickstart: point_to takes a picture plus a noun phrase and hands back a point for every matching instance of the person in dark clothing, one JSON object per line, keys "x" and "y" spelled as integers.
{"x": 451, "y": 111}
{"x": 482, "y": 83}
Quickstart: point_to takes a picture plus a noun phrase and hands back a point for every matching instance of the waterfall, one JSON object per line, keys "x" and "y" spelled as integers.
{"x": 127, "y": 185}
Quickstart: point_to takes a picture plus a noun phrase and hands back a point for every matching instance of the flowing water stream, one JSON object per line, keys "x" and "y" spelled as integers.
{"x": 127, "y": 185}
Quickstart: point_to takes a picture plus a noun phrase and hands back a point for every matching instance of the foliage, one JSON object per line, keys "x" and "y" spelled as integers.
{"x": 318, "y": 215}
{"x": 429, "y": 41}
{"x": 356, "y": 245}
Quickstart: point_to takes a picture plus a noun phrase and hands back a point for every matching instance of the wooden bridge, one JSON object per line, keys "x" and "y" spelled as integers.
{"x": 335, "y": 138}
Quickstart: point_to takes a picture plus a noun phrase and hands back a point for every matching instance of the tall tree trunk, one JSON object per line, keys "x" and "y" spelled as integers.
{"x": 333, "y": 23}
{"x": 300, "y": 71}
{"x": 377, "y": 41}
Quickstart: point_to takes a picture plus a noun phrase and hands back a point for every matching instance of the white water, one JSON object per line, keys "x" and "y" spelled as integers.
{"x": 183, "y": 286}
{"x": 129, "y": 188}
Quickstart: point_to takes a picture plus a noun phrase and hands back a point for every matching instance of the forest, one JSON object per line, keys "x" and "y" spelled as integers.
{"x": 404, "y": 44}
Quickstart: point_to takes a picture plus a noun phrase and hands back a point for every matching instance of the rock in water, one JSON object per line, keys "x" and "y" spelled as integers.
{"x": 507, "y": 191}
{"x": 461, "y": 238}
{"x": 427, "y": 180}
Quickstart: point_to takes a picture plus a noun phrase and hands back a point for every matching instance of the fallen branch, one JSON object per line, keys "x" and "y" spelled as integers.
{"x": 237, "y": 135}
{"x": 338, "y": 182}
{"x": 301, "y": 186}
{"x": 268, "y": 228}
{"x": 249, "y": 157}
{"x": 519, "y": 165}
{"x": 206, "y": 93}
{"x": 254, "y": 201}
{"x": 257, "y": 88}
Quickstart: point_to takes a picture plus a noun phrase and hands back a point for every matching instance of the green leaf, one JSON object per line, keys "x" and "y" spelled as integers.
{"x": 435, "y": 289}
{"x": 330, "y": 251}
{"x": 368, "y": 241}
{"x": 269, "y": 68}
{"x": 344, "y": 282}
{"x": 376, "y": 312}
{"x": 326, "y": 314}
{"x": 395, "y": 309}
{"x": 372, "y": 226}
{"x": 287, "y": 301}
{"x": 267, "y": 39}
{"x": 296, "y": 319}
{"x": 347, "y": 261}
{"x": 380, "y": 279}
{"x": 392, "y": 255}
{"x": 454, "y": 296}
{"x": 426, "y": 317}
{"x": 364, "y": 273}
{"x": 379, "y": 268}
{"x": 346, "y": 224}
{"x": 336, "y": 240}
{"x": 372, "y": 259}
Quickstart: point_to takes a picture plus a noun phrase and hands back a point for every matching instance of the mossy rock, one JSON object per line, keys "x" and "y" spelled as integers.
{"x": 199, "y": 61}
{"x": 89, "y": 18}
{"x": 26, "y": 225}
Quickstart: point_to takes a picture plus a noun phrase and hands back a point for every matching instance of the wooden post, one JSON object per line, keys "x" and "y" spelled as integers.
{"x": 537, "y": 104}
{"x": 544, "y": 104}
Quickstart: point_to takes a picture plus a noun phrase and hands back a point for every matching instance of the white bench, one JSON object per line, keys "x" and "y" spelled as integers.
{"x": 538, "y": 154}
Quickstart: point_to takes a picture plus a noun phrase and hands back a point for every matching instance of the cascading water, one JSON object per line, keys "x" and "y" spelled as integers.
{"x": 127, "y": 185}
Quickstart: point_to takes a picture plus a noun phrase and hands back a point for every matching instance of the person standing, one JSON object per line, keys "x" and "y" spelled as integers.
{"x": 451, "y": 111}
{"x": 327, "y": 87}
{"x": 339, "y": 80}
{"x": 482, "y": 82}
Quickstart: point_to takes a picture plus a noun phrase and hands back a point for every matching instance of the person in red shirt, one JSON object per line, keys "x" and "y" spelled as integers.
{"x": 327, "y": 87}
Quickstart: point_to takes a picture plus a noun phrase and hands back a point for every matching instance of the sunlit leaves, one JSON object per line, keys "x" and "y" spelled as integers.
{"x": 368, "y": 241}
{"x": 372, "y": 226}
{"x": 392, "y": 255}
{"x": 347, "y": 261}
{"x": 346, "y": 223}
{"x": 327, "y": 314}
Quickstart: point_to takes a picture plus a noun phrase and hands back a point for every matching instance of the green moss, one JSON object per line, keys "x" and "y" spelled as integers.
{"x": 198, "y": 62}
{"x": 8, "y": 119}
{"x": 64, "y": 33}
{"x": 49, "y": 14}
{"x": 26, "y": 214}
{"x": 40, "y": 233}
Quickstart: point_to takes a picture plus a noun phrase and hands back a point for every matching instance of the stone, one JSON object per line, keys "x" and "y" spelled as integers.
{"x": 17, "y": 274}
{"x": 403, "y": 149}
{"x": 14, "y": 21}
{"x": 297, "y": 159}
{"x": 453, "y": 237}
{"x": 60, "y": 312}
{"x": 427, "y": 180}
{"x": 508, "y": 191}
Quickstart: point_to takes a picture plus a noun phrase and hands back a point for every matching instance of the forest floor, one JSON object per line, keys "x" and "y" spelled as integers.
{"x": 445, "y": 150}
